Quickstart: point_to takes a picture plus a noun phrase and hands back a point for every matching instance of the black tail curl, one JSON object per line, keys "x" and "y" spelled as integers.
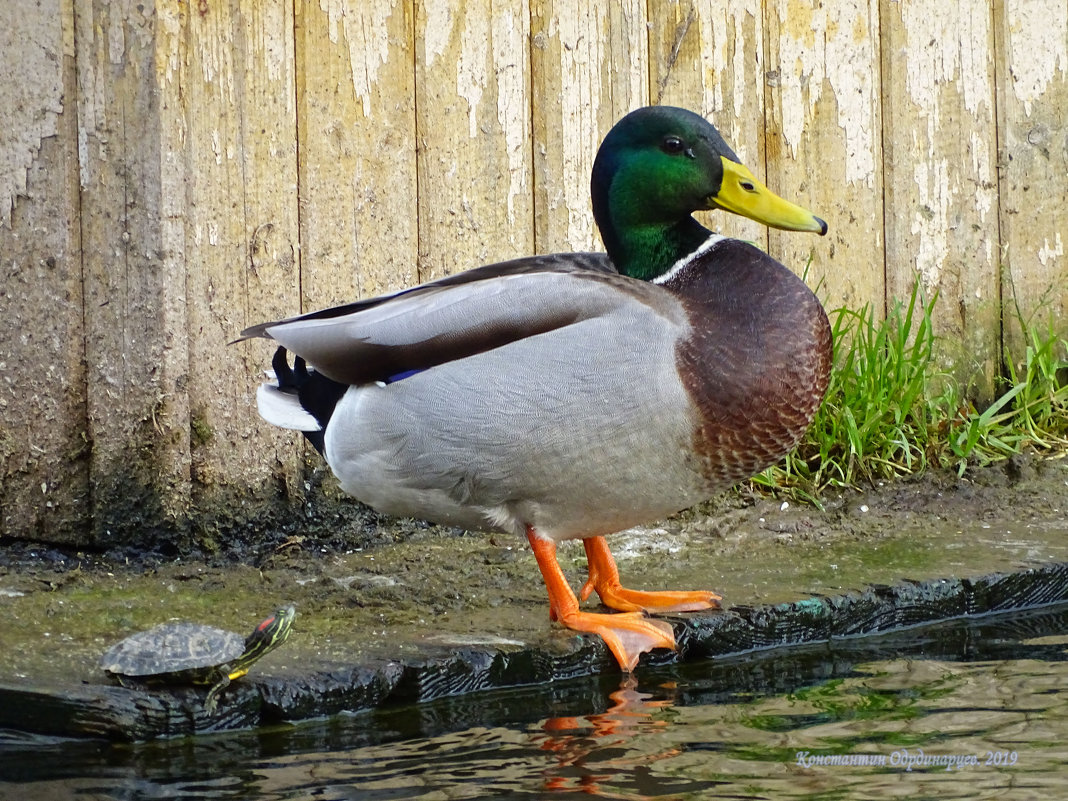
{"x": 318, "y": 395}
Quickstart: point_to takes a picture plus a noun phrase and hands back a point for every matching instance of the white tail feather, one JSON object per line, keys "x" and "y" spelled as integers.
{"x": 283, "y": 409}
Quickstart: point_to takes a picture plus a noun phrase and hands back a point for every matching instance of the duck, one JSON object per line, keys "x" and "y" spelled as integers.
{"x": 575, "y": 395}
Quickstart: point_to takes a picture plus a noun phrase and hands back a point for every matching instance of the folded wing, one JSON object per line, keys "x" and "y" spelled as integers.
{"x": 451, "y": 319}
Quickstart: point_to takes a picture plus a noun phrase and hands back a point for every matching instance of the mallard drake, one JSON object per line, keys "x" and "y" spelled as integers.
{"x": 570, "y": 396}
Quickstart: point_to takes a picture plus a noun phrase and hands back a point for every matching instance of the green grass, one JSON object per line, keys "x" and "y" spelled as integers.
{"x": 891, "y": 411}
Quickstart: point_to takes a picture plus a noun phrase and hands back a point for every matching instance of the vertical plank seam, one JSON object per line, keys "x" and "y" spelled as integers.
{"x": 650, "y": 77}
{"x": 183, "y": 76}
{"x": 881, "y": 95}
{"x": 124, "y": 329}
{"x": 238, "y": 33}
{"x": 299, "y": 55}
{"x": 299, "y": 70}
{"x": 765, "y": 93}
{"x": 420, "y": 151}
{"x": 999, "y": 175}
{"x": 531, "y": 150}
{"x": 90, "y": 506}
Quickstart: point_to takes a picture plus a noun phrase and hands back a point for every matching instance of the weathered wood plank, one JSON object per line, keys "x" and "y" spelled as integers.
{"x": 136, "y": 349}
{"x": 238, "y": 97}
{"x": 940, "y": 175}
{"x": 472, "y": 74}
{"x": 823, "y": 142}
{"x": 357, "y": 149}
{"x": 589, "y": 69}
{"x": 711, "y": 60}
{"x": 434, "y": 137}
{"x": 44, "y": 478}
{"x": 1031, "y": 38}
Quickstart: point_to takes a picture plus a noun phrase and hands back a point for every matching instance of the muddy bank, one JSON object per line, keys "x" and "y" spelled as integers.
{"x": 409, "y": 593}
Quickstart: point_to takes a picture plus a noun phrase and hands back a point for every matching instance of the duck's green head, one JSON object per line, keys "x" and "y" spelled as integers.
{"x": 656, "y": 167}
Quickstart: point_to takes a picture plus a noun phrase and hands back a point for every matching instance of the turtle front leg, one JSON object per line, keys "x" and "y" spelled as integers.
{"x": 211, "y": 700}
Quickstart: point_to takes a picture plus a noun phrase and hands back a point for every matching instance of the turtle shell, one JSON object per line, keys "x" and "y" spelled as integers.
{"x": 174, "y": 650}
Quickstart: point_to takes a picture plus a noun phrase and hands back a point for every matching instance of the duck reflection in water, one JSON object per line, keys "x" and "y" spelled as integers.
{"x": 599, "y": 748}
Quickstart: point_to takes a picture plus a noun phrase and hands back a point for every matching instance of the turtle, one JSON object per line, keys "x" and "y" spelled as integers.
{"x": 192, "y": 653}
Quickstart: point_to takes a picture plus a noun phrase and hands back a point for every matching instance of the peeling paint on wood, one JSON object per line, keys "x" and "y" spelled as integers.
{"x": 713, "y": 63}
{"x": 823, "y": 142}
{"x": 940, "y": 175}
{"x": 473, "y": 127}
{"x": 1032, "y": 98}
{"x": 240, "y": 161}
{"x": 588, "y": 72}
{"x": 366, "y": 35}
{"x": 356, "y": 150}
{"x": 830, "y": 47}
{"x": 1039, "y": 49}
{"x": 32, "y": 103}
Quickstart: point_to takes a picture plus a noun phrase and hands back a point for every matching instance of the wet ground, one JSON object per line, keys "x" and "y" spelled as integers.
{"x": 413, "y": 590}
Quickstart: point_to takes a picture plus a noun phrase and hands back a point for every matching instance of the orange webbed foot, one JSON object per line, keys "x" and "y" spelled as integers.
{"x": 627, "y": 635}
{"x": 604, "y": 577}
{"x": 625, "y": 600}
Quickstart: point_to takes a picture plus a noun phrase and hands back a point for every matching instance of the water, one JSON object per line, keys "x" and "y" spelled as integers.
{"x": 960, "y": 710}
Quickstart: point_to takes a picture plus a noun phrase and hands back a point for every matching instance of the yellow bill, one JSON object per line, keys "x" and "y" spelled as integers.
{"x": 741, "y": 193}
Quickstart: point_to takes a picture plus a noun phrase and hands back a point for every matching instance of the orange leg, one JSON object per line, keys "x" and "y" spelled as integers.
{"x": 628, "y": 635}
{"x": 604, "y": 577}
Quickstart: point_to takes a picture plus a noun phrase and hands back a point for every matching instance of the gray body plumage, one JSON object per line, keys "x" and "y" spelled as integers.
{"x": 518, "y": 434}
{"x": 482, "y": 443}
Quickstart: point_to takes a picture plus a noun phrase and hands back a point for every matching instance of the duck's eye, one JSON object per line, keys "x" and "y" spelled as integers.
{"x": 673, "y": 146}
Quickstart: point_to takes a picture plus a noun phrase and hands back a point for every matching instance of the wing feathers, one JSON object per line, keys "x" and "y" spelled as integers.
{"x": 436, "y": 323}
{"x": 554, "y": 262}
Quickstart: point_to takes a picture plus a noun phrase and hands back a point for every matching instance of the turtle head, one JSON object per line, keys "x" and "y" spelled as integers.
{"x": 269, "y": 633}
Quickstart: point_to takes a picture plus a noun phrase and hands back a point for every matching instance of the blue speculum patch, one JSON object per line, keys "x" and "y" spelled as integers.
{"x": 401, "y": 376}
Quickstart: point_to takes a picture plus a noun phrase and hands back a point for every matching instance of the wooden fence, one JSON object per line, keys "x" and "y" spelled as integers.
{"x": 172, "y": 172}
